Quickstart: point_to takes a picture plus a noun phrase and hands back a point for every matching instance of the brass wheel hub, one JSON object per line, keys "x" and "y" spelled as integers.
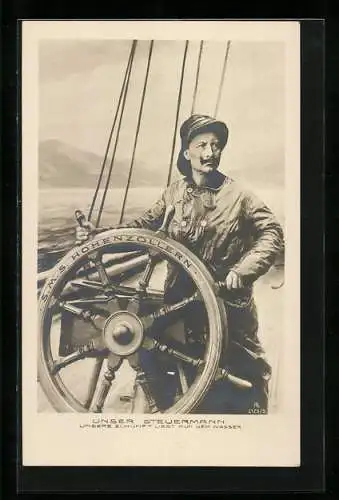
{"x": 123, "y": 333}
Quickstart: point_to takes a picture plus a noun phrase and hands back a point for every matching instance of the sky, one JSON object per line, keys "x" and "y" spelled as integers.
{"x": 80, "y": 81}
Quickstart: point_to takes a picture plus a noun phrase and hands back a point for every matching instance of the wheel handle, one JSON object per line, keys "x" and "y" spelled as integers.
{"x": 80, "y": 218}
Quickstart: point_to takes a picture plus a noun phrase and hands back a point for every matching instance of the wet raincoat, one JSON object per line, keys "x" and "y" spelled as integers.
{"x": 228, "y": 228}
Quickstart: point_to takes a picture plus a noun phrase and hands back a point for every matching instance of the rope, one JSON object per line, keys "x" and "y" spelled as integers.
{"x": 117, "y": 138}
{"x": 112, "y": 130}
{"x": 137, "y": 131}
{"x": 222, "y": 79}
{"x": 197, "y": 77}
{"x": 177, "y": 112}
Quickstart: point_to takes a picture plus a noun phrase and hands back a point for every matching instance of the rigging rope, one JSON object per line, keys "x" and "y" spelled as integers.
{"x": 177, "y": 112}
{"x": 137, "y": 131}
{"x": 117, "y": 136}
{"x": 127, "y": 71}
{"x": 222, "y": 78}
{"x": 122, "y": 97}
{"x": 197, "y": 77}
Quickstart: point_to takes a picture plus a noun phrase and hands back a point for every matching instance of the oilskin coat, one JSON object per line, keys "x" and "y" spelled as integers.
{"x": 228, "y": 228}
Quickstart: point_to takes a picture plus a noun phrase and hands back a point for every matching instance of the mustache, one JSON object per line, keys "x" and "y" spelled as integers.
{"x": 209, "y": 162}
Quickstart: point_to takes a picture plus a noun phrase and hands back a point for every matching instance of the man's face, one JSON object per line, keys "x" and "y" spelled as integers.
{"x": 204, "y": 152}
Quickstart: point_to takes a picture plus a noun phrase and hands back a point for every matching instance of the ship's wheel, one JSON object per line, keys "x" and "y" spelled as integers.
{"x": 102, "y": 320}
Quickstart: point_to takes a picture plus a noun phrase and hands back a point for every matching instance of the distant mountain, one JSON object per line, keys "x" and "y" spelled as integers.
{"x": 63, "y": 165}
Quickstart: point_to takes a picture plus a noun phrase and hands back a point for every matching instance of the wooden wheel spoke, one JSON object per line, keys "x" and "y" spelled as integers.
{"x": 136, "y": 299}
{"x": 140, "y": 292}
{"x": 86, "y": 285}
{"x": 113, "y": 364}
{"x": 98, "y": 264}
{"x": 96, "y": 320}
{"x": 153, "y": 345}
{"x": 151, "y": 296}
{"x": 142, "y": 381}
{"x": 166, "y": 311}
{"x": 116, "y": 290}
{"x": 88, "y": 302}
{"x": 145, "y": 279}
{"x": 90, "y": 349}
{"x": 177, "y": 306}
{"x": 222, "y": 373}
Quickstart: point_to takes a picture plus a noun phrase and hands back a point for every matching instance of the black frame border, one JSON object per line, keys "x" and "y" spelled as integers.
{"x": 311, "y": 475}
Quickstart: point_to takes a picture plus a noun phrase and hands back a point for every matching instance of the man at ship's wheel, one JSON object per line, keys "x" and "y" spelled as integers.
{"x": 238, "y": 238}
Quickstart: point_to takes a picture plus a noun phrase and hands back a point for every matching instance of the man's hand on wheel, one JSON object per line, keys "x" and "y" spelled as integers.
{"x": 233, "y": 281}
{"x": 83, "y": 232}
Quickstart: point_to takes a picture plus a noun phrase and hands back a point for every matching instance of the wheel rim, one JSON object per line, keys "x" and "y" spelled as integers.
{"x": 57, "y": 392}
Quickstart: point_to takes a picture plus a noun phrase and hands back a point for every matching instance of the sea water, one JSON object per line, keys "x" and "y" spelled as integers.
{"x": 56, "y": 224}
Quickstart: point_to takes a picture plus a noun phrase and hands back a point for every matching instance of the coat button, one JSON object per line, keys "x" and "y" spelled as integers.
{"x": 183, "y": 223}
{"x": 189, "y": 190}
{"x": 203, "y": 223}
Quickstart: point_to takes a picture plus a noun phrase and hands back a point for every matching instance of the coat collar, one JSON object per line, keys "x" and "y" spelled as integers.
{"x": 216, "y": 182}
